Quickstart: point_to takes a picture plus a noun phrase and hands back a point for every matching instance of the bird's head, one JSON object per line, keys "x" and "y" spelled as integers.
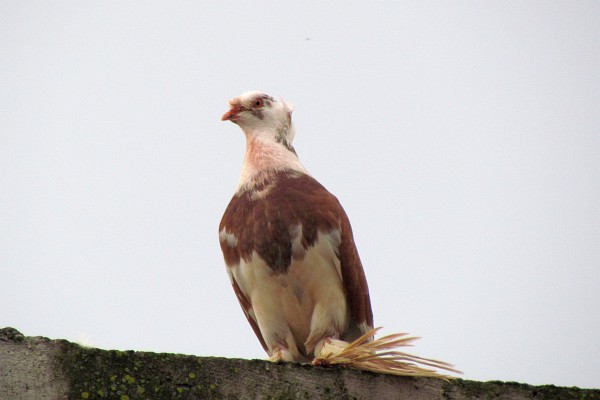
{"x": 260, "y": 114}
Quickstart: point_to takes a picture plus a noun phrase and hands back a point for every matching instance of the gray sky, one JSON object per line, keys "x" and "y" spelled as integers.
{"x": 462, "y": 138}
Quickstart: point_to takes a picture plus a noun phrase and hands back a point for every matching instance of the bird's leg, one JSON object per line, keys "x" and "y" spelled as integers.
{"x": 282, "y": 348}
{"x": 281, "y": 354}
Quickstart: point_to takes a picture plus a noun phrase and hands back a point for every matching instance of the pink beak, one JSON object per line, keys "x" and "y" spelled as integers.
{"x": 232, "y": 114}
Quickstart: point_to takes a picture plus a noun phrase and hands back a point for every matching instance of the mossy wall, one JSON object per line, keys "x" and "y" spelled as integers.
{"x": 42, "y": 369}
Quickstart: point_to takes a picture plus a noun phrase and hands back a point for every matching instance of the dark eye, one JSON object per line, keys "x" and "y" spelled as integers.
{"x": 258, "y": 103}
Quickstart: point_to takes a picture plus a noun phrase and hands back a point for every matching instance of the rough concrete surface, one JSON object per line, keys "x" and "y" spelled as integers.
{"x": 40, "y": 368}
{"x": 29, "y": 369}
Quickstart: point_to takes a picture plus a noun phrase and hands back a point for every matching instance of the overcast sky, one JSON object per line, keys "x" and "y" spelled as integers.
{"x": 462, "y": 138}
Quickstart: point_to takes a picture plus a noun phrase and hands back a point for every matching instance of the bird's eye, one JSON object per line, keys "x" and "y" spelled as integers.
{"x": 258, "y": 103}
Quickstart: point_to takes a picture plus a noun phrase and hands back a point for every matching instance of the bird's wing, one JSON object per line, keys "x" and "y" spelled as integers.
{"x": 234, "y": 243}
{"x": 354, "y": 281}
{"x": 248, "y": 312}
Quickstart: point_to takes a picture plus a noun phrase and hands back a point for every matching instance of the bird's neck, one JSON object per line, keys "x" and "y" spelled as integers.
{"x": 264, "y": 157}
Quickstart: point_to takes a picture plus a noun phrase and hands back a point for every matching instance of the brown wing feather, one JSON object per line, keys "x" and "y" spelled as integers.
{"x": 247, "y": 306}
{"x": 355, "y": 281}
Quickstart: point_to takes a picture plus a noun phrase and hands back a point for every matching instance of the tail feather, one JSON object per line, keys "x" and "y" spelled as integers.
{"x": 380, "y": 355}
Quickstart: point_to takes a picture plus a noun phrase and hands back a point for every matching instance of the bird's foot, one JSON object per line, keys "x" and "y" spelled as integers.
{"x": 279, "y": 354}
{"x": 327, "y": 349}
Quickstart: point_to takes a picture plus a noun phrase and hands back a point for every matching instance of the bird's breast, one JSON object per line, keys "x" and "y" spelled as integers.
{"x": 308, "y": 293}
{"x": 280, "y": 225}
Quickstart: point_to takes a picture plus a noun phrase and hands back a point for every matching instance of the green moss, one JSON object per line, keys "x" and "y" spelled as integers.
{"x": 110, "y": 374}
{"x": 99, "y": 374}
{"x": 9, "y": 334}
{"x": 495, "y": 389}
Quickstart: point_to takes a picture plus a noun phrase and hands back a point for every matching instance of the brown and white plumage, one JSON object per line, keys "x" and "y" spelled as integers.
{"x": 288, "y": 246}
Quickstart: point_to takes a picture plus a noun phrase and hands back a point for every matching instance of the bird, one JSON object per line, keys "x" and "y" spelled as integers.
{"x": 291, "y": 257}
{"x": 288, "y": 243}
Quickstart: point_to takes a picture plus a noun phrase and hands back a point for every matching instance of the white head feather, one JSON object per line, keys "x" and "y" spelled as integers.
{"x": 260, "y": 114}
{"x": 269, "y": 131}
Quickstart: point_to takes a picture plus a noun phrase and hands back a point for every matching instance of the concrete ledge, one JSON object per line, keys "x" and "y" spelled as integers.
{"x": 42, "y": 369}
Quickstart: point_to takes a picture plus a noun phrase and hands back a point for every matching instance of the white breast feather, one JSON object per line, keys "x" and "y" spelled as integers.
{"x": 300, "y": 306}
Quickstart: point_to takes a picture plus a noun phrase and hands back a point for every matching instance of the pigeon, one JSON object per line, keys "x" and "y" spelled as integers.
{"x": 291, "y": 257}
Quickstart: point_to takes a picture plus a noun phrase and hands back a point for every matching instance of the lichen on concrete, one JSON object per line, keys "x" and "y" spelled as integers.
{"x": 11, "y": 335}
{"x": 499, "y": 390}
{"x": 39, "y": 368}
{"x": 128, "y": 375}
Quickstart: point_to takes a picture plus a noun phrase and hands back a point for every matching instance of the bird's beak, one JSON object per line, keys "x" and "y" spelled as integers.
{"x": 232, "y": 114}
